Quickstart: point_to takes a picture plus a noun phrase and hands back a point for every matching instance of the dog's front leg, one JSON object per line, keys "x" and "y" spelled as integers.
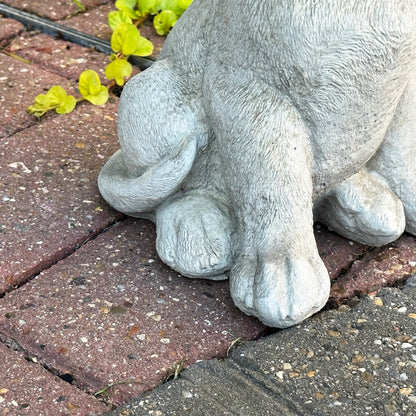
{"x": 278, "y": 276}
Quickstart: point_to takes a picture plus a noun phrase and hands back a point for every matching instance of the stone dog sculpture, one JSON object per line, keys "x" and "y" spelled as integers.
{"x": 258, "y": 116}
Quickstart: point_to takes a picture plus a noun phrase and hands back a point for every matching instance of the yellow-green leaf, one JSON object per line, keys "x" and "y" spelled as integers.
{"x": 56, "y": 98}
{"x": 128, "y": 7}
{"x": 118, "y": 70}
{"x": 183, "y": 4}
{"x": 164, "y": 21}
{"x": 148, "y": 6}
{"x": 91, "y": 89}
{"x": 144, "y": 47}
{"x": 42, "y": 101}
{"x": 116, "y": 18}
{"x": 56, "y": 95}
{"x": 126, "y": 39}
{"x": 177, "y": 6}
{"x": 67, "y": 105}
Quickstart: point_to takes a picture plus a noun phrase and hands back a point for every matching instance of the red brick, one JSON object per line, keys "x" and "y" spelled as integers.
{"x": 112, "y": 312}
{"x": 380, "y": 267}
{"x": 58, "y": 9}
{"x": 49, "y": 196}
{"x": 94, "y": 21}
{"x": 27, "y": 389}
{"x": 337, "y": 252}
{"x": 20, "y": 82}
{"x": 8, "y": 29}
{"x": 63, "y": 58}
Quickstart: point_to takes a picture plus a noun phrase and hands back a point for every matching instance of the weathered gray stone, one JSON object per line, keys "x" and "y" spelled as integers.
{"x": 233, "y": 138}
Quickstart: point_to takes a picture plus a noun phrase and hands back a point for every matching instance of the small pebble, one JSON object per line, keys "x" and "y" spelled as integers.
{"x": 187, "y": 394}
{"x": 287, "y": 366}
{"x": 405, "y": 391}
{"x": 406, "y": 345}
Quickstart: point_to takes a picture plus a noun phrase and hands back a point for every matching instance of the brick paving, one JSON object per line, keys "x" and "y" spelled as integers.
{"x": 85, "y": 303}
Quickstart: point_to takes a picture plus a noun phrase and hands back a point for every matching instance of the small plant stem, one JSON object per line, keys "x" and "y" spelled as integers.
{"x": 13, "y": 55}
{"x": 138, "y": 22}
{"x": 104, "y": 390}
{"x": 81, "y": 7}
{"x": 111, "y": 85}
{"x": 232, "y": 345}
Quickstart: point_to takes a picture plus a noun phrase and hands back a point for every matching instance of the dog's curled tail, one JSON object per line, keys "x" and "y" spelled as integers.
{"x": 135, "y": 196}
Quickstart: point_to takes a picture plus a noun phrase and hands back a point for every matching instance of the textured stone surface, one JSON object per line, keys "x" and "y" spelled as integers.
{"x": 58, "y": 56}
{"x": 49, "y": 197}
{"x": 356, "y": 361}
{"x": 53, "y": 10}
{"x": 20, "y": 82}
{"x": 384, "y": 266}
{"x": 112, "y": 312}
{"x": 8, "y": 29}
{"x": 27, "y": 389}
{"x": 105, "y": 314}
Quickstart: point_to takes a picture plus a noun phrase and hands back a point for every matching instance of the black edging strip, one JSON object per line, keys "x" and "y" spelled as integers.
{"x": 32, "y": 22}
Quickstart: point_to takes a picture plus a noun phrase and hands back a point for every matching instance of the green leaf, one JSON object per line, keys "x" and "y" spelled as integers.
{"x": 118, "y": 70}
{"x": 164, "y": 21}
{"x": 168, "y": 5}
{"x": 40, "y": 107}
{"x": 144, "y": 47}
{"x": 91, "y": 89}
{"x": 126, "y": 40}
{"x": 42, "y": 101}
{"x": 116, "y": 18}
{"x": 147, "y": 6}
{"x": 177, "y": 6}
{"x": 67, "y": 105}
{"x": 183, "y": 4}
{"x": 56, "y": 95}
{"x": 128, "y": 7}
{"x": 56, "y": 98}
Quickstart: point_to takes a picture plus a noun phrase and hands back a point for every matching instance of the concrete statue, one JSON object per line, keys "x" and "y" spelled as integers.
{"x": 258, "y": 117}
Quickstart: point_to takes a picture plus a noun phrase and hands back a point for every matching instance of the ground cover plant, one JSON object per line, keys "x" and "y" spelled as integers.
{"x": 125, "y": 41}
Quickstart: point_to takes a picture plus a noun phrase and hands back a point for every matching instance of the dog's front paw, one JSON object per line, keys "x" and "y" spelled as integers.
{"x": 280, "y": 291}
{"x": 194, "y": 237}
